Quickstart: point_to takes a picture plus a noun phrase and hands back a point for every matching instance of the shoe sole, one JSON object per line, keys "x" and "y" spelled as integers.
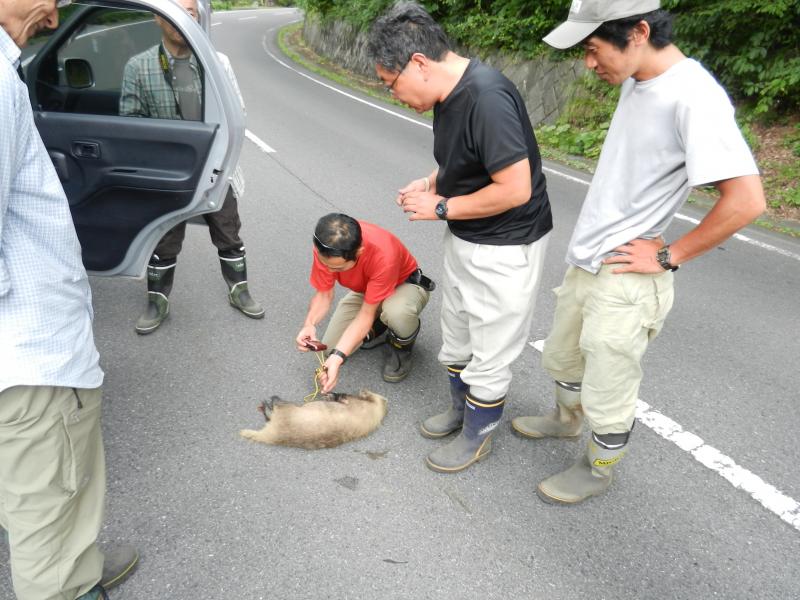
{"x": 107, "y": 585}
{"x": 439, "y": 469}
{"x": 435, "y": 436}
{"x": 245, "y": 313}
{"x": 556, "y": 501}
{"x": 533, "y": 436}
{"x": 395, "y": 378}
{"x": 146, "y": 330}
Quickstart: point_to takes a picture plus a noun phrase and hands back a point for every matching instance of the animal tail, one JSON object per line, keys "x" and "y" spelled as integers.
{"x": 250, "y": 434}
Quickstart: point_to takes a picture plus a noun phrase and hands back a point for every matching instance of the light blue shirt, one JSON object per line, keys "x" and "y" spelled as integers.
{"x": 45, "y": 300}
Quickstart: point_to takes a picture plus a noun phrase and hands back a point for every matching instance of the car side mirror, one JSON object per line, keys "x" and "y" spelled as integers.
{"x": 79, "y": 73}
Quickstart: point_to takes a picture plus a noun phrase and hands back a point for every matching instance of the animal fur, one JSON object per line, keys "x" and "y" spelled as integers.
{"x": 325, "y": 423}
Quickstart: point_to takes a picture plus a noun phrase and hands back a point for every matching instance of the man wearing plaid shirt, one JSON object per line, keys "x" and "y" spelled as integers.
{"x": 165, "y": 82}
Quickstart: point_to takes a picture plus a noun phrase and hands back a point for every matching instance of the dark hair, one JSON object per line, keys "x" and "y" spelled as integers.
{"x": 618, "y": 31}
{"x": 338, "y": 235}
{"x": 406, "y": 28}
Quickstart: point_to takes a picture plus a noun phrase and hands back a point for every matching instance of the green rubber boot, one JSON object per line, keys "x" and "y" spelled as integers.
{"x": 159, "y": 285}
{"x": 590, "y": 475}
{"x": 234, "y": 272}
{"x": 450, "y": 420}
{"x": 565, "y": 421}
{"x": 474, "y": 443}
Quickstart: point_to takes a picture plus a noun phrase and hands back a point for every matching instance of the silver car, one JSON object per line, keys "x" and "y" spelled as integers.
{"x": 129, "y": 179}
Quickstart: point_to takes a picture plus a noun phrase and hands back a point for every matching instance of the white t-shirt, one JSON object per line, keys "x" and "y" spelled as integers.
{"x": 668, "y": 134}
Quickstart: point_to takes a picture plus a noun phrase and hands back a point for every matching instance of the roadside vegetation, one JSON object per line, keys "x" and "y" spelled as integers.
{"x": 752, "y": 47}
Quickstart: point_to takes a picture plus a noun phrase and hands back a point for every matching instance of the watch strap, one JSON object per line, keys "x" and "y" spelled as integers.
{"x": 340, "y": 354}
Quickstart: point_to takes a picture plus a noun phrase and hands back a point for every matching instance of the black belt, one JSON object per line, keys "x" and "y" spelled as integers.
{"x": 420, "y": 279}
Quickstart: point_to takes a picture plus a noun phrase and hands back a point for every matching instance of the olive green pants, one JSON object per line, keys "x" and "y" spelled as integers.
{"x": 52, "y": 489}
{"x": 601, "y": 329}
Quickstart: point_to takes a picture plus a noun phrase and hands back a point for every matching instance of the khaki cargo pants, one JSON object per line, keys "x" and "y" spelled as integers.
{"x": 52, "y": 489}
{"x": 601, "y": 329}
{"x": 399, "y": 312}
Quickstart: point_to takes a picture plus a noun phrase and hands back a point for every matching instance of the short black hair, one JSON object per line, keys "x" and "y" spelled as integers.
{"x": 618, "y": 31}
{"x": 338, "y": 235}
{"x": 405, "y": 29}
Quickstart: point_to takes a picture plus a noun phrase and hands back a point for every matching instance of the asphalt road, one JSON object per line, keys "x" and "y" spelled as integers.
{"x": 217, "y": 518}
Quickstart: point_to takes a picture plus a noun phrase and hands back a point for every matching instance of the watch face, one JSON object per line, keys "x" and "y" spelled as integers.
{"x": 441, "y": 209}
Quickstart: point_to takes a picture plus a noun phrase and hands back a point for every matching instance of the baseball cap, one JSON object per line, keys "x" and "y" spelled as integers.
{"x": 587, "y": 15}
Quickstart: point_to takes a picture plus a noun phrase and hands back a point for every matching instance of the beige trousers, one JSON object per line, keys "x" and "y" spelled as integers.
{"x": 399, "y": 312}
{"x": 52, "y": 489}
{"x": 488, "y": 297}
{"x": 601, "y": 329}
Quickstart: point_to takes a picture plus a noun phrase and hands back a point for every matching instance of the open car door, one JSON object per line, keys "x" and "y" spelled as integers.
{"x": 130, "y": 177}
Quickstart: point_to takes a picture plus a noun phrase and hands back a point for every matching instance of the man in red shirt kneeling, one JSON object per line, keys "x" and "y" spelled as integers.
{"x": 387, "y": 294}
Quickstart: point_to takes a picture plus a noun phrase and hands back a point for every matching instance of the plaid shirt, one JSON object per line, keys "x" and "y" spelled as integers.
{"x": 147, "y": 93}
{"x": 45, "y": 300}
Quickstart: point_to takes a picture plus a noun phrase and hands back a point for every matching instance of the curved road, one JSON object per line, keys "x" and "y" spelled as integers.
{"x": 705, "y": 504}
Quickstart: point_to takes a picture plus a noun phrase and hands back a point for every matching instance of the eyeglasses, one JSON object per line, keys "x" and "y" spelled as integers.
{"x": 328, "y": 249}
{"x": 390, "y": 87}
{"x": 63, "y": 3}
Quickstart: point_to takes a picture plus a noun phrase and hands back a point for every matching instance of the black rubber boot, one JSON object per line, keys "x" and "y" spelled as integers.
{"x": 159, "y": 285}
{"x": 450, "y": 420}
{"x": 234, "y": 271}
{"x": 376, "y": 336}
{"x": 119, "y": 562}
{"x": 474, "y": 443}
{"x": 398, "y": 359}
{"x": 590, "y": 475}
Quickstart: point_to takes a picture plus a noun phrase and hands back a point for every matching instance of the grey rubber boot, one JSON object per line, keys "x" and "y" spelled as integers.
{"x": 234, "y": 272}
{"x": 590, "y": 475}
{"x": 119, "y": 562}
{"x": 474, "y": 443}
{"x": 397, "y": 359}
{"x": 159, "y": 285}
{"x": 566, "y": 420}
{"x": 450, "y": 420}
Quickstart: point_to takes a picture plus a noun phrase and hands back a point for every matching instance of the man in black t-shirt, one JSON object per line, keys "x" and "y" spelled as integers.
{"x": 490, "y": 190}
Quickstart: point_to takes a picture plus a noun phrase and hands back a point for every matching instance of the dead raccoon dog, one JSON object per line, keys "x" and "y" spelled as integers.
{"x": 332, "y": 420}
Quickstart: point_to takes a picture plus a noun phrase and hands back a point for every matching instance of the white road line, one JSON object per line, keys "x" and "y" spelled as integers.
{"x": 565, "y": 176}
{"x": 767, "y": 495}
{"x": 258, "y": 141}
{"x": 247, "y": 18}
{"x": 215, "y": 24}
{"x": 738, "y": 236}
{"x": 338, "y": 91}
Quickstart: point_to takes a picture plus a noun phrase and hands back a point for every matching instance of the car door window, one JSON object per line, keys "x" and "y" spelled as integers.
{"x": 122, "y": 62}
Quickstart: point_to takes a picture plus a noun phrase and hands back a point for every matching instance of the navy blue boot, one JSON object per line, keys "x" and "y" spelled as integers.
{"x": 474, "y": 443}
{"x": 450, "y": 420}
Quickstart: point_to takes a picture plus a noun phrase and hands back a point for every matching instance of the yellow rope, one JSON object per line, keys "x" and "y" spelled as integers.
{"x": 317, "y": 372}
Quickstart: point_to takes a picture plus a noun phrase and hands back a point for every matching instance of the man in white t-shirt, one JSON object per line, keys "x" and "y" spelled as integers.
{"x": 673, "y": 129}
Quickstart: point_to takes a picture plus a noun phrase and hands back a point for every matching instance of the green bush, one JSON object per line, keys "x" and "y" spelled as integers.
{"x": 752, "y": 46}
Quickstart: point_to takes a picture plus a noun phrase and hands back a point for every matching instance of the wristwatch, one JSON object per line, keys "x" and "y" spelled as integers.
{"x": 441, "y": 209}
{"x": 663, "y": 257}
{"x": 340, "y": 354}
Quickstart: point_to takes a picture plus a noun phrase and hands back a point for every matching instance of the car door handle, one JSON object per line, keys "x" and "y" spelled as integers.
{"x": 85, "y": 149}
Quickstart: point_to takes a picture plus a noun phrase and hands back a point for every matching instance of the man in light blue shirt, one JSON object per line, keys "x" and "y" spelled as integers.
{"x": 52, "y": 466}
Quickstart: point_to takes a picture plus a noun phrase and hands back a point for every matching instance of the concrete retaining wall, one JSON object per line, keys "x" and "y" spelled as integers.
{"x": 543, "y": 83}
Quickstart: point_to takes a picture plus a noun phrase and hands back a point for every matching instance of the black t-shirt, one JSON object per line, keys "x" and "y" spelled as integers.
{"x": 479, "y": 129}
